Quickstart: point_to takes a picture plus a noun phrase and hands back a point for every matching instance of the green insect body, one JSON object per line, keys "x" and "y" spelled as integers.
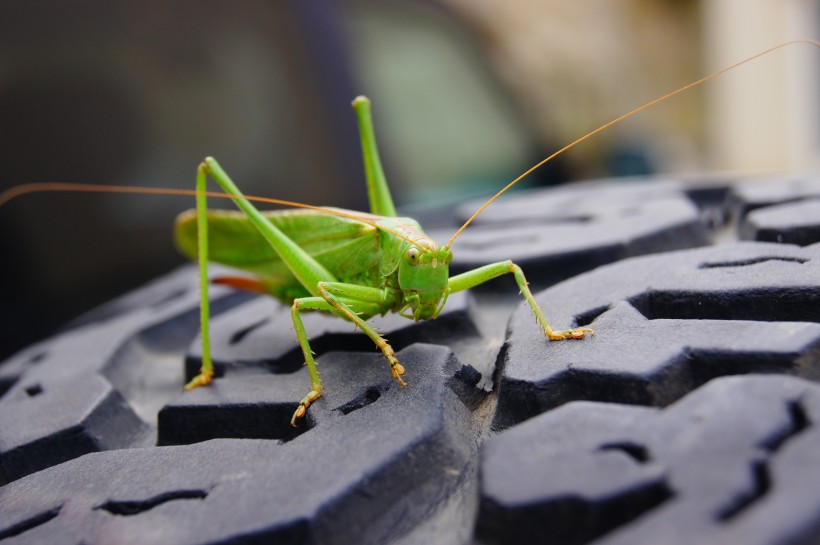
{"x": 347, "y": 248}
{"x": 355, "y": 265}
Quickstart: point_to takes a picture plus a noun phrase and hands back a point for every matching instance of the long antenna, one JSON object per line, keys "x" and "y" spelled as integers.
{"x": 618, "y": 120}
{"x": 49, "y": 187}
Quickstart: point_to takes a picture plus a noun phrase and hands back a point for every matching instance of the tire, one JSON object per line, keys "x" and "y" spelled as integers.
{"x": 687, "y": 418}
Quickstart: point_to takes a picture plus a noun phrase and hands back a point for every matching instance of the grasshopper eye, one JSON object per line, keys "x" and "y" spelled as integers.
{"x": 412, "y": 256}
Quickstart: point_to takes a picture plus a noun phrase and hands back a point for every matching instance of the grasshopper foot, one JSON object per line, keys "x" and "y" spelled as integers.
{"x": 569, "y": 334}
{"x": 301, "y": 410}
{"x": 202, "y": 379}
{"x": 397, "y": 370}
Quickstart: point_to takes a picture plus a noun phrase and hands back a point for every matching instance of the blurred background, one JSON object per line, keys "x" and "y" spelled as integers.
{"x": 466, "y": 95}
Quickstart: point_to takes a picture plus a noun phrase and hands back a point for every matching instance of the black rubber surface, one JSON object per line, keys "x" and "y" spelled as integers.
{"x": 688, "y": 418}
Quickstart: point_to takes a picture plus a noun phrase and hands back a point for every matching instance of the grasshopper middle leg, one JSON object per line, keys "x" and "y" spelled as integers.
{"x": 367, "y": 301}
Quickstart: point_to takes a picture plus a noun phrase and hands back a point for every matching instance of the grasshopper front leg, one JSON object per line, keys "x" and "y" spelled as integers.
{"x": 480, "y": 275}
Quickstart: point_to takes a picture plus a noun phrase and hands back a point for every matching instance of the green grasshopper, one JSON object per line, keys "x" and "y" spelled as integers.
{"x": 351, "y": 264}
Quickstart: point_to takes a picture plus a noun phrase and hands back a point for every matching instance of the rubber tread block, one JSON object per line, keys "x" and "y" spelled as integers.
{"x": 331, "y": 484}
{"x": 748, "y": 195}
{"x": 792, "y": 223}
{"x": 666, "y": 324}
{"x": 728, "y": 463}
{"x": 554, "y": 235}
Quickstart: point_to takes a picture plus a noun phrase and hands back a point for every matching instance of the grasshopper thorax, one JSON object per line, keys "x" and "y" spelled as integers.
{"x": 424, "y": 272}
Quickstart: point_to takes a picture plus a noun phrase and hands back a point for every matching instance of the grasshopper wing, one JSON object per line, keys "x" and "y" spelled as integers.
{"x": 347, "y": 248}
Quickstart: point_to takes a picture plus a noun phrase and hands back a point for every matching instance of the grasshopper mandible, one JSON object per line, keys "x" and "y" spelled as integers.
{"x": 351, "y": 264}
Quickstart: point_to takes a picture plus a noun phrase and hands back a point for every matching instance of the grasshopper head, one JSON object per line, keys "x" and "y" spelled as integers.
{"x": 423, "y": 275}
